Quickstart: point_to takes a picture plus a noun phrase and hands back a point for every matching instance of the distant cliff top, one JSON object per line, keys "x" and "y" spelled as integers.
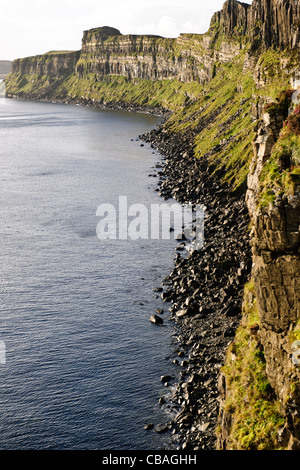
{"x": 5, "y": 66}
{"x": 103, "y": 31}
{"x": 59, "y": 52}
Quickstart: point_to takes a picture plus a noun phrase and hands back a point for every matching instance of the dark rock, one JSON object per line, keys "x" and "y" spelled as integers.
{"x": 156, "y": 319}
{"x": 166, "y": 296}
{"x": 161, "y": 428}
{"x": 149, "y": 426}
{"x": 159, "y": 311}
{"x": 229, "y": 332}
{"x": 166, "y": 378}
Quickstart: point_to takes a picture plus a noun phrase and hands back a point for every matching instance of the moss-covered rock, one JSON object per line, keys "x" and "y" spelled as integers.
{"x": 251, "y": 416}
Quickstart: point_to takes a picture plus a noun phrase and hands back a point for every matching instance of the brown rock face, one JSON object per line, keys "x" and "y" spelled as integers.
{"x": 276, "y": 21}
{"x": 275, "y": 240}
{"x": 276, "y": 276}
{"x": 187, "y": 58}
{"x": 273, "y": 22}
{"x": 233, "y": 18}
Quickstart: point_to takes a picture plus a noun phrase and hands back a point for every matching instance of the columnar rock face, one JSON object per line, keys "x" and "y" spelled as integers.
{"x": 107, "y": 53}
{"x": 276, "y": 276}
{"x": 275, "y": 240}
{"x": 232, "y": 19}
{"x": 273, "y": 22}
{"x": 276, "y": 22}
{"x": 191, "y": 57}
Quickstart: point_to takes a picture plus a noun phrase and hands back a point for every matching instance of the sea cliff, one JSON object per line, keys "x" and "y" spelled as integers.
{"x": 234, "y": 128}
{"x": 5, "y": 67}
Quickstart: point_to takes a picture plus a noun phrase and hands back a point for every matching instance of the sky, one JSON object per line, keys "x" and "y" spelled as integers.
{"x": 38, "y": 26}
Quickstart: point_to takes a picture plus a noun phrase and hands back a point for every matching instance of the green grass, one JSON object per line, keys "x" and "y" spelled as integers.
{"x": 166, "y": 94}
{"x": 281, "y": 173}
{"x": 295, "y": 333}
{"x": 59, "y": 52}
{"x": 224, "y": 112}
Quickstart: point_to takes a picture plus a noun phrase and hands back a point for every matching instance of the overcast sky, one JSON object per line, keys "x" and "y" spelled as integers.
{"x": 30, "y": 27}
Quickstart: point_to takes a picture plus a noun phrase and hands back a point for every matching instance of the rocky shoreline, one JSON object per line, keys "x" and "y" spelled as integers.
{"x": 113, "y": 106}
{"x": 204, "y": 291}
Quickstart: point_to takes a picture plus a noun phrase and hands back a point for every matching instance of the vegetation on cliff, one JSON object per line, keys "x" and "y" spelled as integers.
{"x": 281, "y": 173}
{"x": 250, "y": 402}
{"x": 220, "y": 122}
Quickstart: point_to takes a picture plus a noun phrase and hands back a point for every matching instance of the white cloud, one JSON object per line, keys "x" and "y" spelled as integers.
{"x": 36, "y": 26}
{"x": 168, "y": 26}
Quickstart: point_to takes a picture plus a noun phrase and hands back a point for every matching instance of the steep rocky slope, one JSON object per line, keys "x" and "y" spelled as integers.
{"x": 271, "y": 23}
{"x": 265, "y": 414}
{"x": 235, "y": 127}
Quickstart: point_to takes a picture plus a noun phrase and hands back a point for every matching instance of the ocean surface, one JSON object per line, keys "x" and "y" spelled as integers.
{"x": 82, "y": 360}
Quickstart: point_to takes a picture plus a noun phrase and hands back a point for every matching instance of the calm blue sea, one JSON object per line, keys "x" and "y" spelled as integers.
{"x": 83, "y": 361}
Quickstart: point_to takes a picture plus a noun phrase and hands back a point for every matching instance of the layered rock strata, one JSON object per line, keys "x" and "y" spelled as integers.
{"x": 52, "y": 64}
{"x": 187, "y": 58}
